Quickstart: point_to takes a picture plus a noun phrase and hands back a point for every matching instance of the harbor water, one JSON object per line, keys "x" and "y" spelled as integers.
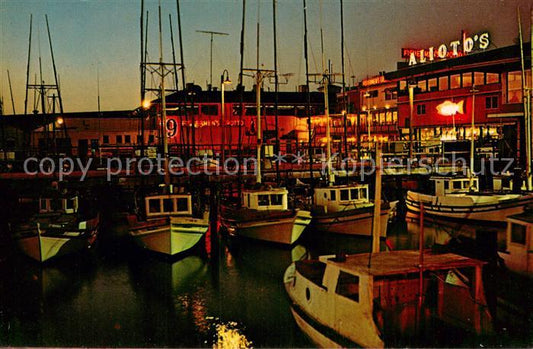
{"x": 225, "y": 293}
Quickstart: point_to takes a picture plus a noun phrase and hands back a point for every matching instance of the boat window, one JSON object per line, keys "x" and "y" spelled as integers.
{"x": 344, "y": 195}
{"x": 262, "y": 200}
{"x": 312, "y": 270}
{"x": 456, "y": 185}
{"x": 446, "y": 185}
{"x": 55, "y": 205}
{"x": 353, "y": 194}
{"x": 183, "y": 204}
{"x": 276, "y": 199}
{"x": 363, "y": 194}
{"x": 168, "y": 205}
{"x": 44, "y": 206}
{"x": 154, "y": 206}
{"x": 518, "y": 233}
{"x": 333, "y": 194}
{"x": 70, "y": 204}
{"x": 348, "y": 286}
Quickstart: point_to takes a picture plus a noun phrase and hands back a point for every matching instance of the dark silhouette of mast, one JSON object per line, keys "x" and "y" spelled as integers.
{"x": 308, "y": 93}
{"x": 28, "y": 69}
{"x": 276, "y": 89}
{"x": 344, "y": 108}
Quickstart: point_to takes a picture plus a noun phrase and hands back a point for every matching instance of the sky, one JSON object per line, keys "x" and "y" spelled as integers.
{"x": 96, "y": 43}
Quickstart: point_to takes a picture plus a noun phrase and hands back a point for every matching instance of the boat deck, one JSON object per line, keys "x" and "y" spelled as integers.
{"x": 402, "y": 262}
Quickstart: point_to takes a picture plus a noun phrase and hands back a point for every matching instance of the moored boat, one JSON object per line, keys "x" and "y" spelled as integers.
{"x": 459, "y": 198}
{"x": 346, "y": 209}
{"x": 59, "y": 228}
{"x": 169, "y": 225}
{"x": 345, "y": 301}
{"x": 264, "y": 215}
{"x": 518, "y": 256}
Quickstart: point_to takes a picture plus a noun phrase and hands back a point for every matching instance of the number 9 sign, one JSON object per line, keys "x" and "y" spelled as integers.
{"x": 172, "y": 127}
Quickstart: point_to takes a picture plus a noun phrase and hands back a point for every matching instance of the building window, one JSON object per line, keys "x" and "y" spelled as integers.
{"x": 394, "y": 117}
{"x": 105, "y": 139}
{"x": 402, "y": 85}
{"x": 455, "y": 81}
{"x": 127, "y": 139}
{"x": 422, "y": 85}
{"x": 432, "y": 84}
{"x": 443, "y": 83}
{"x": 390, "y": 94}
{"x": 151, "y": 139}
{"x": 348, "y": 286}
{"x": 514, "y": 87}
{"x": 209, "y": 109}
{"x": 421, "y": 109}
{"x": 118, "y": 139}
{"x": 493, "y": 78}
{"x": 491, "y": 102}
{"x": 479, "y": 78}
{"x": 467, "y": 79}
{"x": 139, "y": 139}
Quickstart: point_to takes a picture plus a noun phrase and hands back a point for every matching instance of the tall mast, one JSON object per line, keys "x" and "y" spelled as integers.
{"x": 530, "y": 94}
{"x": 308, "y": 94}
{"x": 325, "y": 82}
{"x": 11, "y": 92}
{"x": 241, "y": 84}
{"x": 258, "y": 81}
{"x": 525, "y": 100}
{"x": 276, "y": 87}
{"x": 344, "y": 108}
{"x": 163, "y": 102}
{"x": 54, "y": 67}
{"x": 28, "y": 69}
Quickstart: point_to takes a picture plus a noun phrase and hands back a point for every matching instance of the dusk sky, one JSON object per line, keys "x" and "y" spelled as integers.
{"x": 103, "y": 35}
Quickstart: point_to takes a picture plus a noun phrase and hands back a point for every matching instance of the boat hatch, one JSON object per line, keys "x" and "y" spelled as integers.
{"x": 66, "y": 205}
{"x": 168, "y": 204}
{"x": 265, "y": 200}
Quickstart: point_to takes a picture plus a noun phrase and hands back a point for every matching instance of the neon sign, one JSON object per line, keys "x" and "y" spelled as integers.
{"x": 449, "y": 108}
{"x": 455, "y": 49}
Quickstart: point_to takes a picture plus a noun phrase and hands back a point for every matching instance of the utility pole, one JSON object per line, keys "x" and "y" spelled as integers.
{"x": 211, "y": 33}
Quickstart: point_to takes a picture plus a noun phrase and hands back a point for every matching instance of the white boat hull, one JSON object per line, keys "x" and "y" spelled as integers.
{"x": 284, "y": 230}
{"x": 42, "y": 248}
{"x": 178, "y": 235}
{"x": 351, "y": 223}
{"x": 487, "y": 208}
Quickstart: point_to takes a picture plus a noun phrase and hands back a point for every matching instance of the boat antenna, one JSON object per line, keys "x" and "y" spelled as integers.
{"x": 211, "y": 33}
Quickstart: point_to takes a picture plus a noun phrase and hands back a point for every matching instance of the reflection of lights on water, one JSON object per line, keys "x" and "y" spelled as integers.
{"x": 197, "y": 309}
{"x": 228, "y": 336}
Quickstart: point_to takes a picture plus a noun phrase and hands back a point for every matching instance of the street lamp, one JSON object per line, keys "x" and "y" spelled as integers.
{"x": 367, "y": 96}
{"x": 224, "y": 80}
{"x": 472, "y": 148}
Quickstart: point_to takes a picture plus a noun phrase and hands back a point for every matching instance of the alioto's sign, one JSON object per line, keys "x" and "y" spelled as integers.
{"x": 456, "y": 48}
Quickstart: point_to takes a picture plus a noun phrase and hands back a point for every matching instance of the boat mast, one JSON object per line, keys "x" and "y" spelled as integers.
{"x": 276, "y": 88}
{"x": 530, "y": 160}
{"x": 11, "y": 93}
{"x": 308, "y": 93}
{"x": 325, "y": 83}
{"x": 472, "y": 146}
{"x": 163, "y": 102}
{"x": 28, "y": 69}
{"x": 526, "y": 98}
{"x": 376, "y": 225}
{"x": 344, "y": 108}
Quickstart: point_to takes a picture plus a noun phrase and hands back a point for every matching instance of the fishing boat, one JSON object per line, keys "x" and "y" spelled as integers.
{"x": 519, "y": 237}
{"x": 264, "y": 215}
{"x": 168, "y": 224}
{"x": 59, "y": 228}
{"x": 343, "y": 301}
{"x": 458, "y": 197}
{"x": 346, "y": 209}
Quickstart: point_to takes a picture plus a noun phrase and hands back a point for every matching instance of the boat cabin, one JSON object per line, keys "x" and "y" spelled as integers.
{"x": 370, "y": 305}
{"x": 518, "y": 256}
{"x": 267, "y": 199}
{"x": 339, "y": 198}
{"x": 58, "y": 204}
{"x": 168, "y": 204}
{"x": 454, "y": 185}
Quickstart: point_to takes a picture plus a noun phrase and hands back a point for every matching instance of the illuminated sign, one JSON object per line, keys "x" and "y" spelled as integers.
{"x": 374, "y": 81}
{"x": 456, "y": 48}
{"x": 449, "y": 108}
